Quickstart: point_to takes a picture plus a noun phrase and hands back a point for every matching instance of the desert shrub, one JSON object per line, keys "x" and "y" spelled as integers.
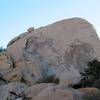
{"x": 48, "y": 79}
{"x": 2, "y": 49}
{"x": 95, "y": 96}
{"x": 76, "y": 86}
{"x": 91, "y": 73}
{"x": 96, "y": 84}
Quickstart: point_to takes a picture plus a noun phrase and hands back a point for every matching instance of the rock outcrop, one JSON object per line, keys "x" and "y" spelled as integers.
{"x": 50, "y": 50}
{"x": 61, "y": 49}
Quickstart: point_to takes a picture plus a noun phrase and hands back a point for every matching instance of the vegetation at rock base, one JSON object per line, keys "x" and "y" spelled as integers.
{"x": 96, "y": 84}
{"x": 90, "y": 75}
{"x": 2, "y": 49}
{"x": 48, "y": 79}
{"x": 95, "y": 96}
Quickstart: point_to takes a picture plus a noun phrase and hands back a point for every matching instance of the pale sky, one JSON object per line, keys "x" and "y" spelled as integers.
{"x": 16, "y": 16}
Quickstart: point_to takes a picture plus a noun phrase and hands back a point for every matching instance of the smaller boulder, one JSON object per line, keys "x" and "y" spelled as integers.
{"x": 90, "y": 93}
{"x": 89, "y": 90}
{"x": 30, "y": 29}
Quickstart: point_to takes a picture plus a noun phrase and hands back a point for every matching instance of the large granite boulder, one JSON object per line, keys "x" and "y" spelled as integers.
{"x": 61, "y": 49}
{"x": 53, "y": 49}
{"x": 58, "y": 93}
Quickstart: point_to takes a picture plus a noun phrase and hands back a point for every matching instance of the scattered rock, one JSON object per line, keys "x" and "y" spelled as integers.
{"x": 53, "y": 93}
{"x": 31, "y": 29}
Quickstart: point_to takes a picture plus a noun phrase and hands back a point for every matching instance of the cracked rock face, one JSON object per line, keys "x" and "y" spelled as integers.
{"x": 56, "y": 47}
{"x": 61, "y": 49}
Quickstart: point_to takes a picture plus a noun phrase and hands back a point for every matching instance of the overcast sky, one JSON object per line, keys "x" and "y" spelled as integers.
{"x": 18, "y": 15}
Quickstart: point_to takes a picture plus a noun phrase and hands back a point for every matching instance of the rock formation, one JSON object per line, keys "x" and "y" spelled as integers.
{"x": 61, "y": 49}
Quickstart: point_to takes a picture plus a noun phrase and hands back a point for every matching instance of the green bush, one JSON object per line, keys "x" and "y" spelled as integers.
{"x": 48, "y": 79}
{"x": 95, "y": 96}
{"x": 2, "y": 49}
{"x": 96, "y": 84}
{"x": 91, "y": 73}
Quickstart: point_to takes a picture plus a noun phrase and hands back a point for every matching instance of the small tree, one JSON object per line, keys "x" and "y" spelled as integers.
{"x": 91, "y": 73}
{"x": 1, "y": 49}
{"x": 48, "y": 79}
